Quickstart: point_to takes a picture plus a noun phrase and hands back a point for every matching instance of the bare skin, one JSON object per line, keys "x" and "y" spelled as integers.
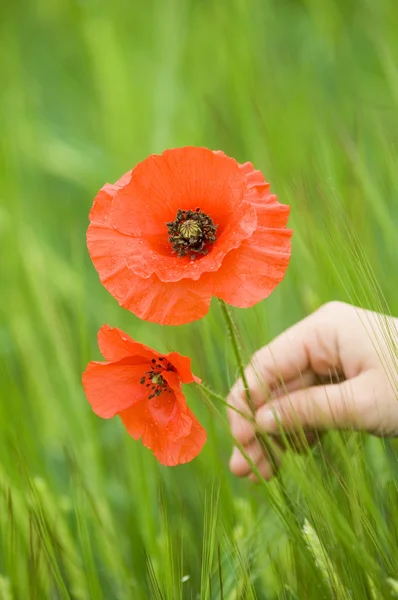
{"x": 336, "y": 369}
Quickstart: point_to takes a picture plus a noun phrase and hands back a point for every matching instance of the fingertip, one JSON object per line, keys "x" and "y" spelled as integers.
{"x": 243, "y": 461}
{"x": 242, "y": 429}
{"x": 237, "y": 464}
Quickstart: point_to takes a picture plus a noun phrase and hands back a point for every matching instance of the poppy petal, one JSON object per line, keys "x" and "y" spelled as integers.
{"x": 115, "y": 344}
{"x": 100, "y": 210}
{"x": 174, "y": 382}
{"x": 159, "y": 302}
{"x": 270, "y": 212}
{"x": 250, "y": 273}
{"x": 109, "y": 249}
{"x": 168, "y": 427}
{"x": 182, "y": 365}
{"x": 160, "y": 416}
{"x": 173, "y": 379}
{"x": 183, "y": 178}
{"x": 107, "y": 246}
{"x": 187, "y": 448}
{"x": 113, "y": 387}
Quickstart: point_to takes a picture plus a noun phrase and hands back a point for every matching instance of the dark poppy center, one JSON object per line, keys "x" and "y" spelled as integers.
{"x": 153, "y": 379}
{"x": 191, "y": 233}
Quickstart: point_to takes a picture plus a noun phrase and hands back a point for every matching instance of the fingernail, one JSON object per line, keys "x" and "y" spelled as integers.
{"x": 267, "y": 420}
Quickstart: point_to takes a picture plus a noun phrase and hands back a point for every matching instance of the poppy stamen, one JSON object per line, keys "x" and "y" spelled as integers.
{"x": 191, "y": 232}
{"x": 153, "y": 379}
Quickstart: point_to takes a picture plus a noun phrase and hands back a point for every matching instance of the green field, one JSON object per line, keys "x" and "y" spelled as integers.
{"x": 308, "y": 91}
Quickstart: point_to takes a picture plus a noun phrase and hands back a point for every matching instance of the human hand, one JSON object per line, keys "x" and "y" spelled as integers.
{"x": 336, "y": 369}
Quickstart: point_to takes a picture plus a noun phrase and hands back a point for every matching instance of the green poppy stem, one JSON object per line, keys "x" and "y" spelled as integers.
{"x": 233, "y": 334}
{"x": 265, "y": 441}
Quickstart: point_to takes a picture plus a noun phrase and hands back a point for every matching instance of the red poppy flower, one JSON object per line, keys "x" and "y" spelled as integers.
{"x": 184, "y": 226}
{"x": 143, "y": 387}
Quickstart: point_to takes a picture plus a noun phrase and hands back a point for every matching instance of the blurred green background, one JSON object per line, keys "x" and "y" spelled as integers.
{"x": 308, "y": 91}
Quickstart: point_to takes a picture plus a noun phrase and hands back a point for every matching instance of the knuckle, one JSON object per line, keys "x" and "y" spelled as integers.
{"x": 235, "y": 392}
{"x": 257, "y": 358}
{"x": 333, "y": 306}
{"x": 254, "y": 367}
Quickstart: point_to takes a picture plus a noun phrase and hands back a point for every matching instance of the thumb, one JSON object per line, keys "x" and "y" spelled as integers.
{"x": 317, "y": 407}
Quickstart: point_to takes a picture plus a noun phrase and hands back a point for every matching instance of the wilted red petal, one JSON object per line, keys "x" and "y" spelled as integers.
{"x": 115, "y": 344}
{"x": 157, "y": 419}
{"x": 113, "y": 387}
{"x": 182, "y": 365}
{"x": 188, "y": 448}
{"x": 167, "y": 426}
{"x": 144, "y": 388}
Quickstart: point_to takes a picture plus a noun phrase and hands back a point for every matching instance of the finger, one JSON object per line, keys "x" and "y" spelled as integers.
{"x": 242, "y": 461}
{"x": 265, "y": 470}
{"x": 309, "y": 346}
{"x": 318, "y": 407}
{"x": 239, "y": 463}
{"x": 243, "y": 428}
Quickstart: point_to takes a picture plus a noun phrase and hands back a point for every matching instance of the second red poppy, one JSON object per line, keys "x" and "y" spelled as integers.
{"x": 143, "y": 387}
